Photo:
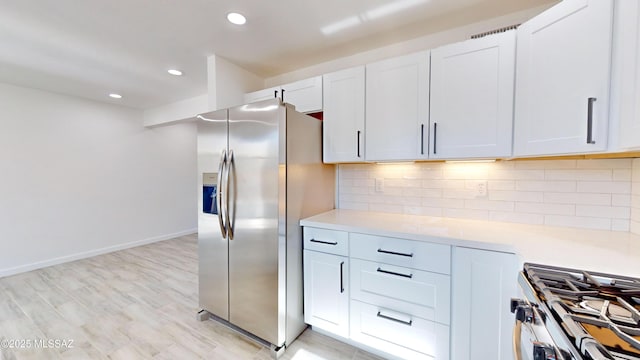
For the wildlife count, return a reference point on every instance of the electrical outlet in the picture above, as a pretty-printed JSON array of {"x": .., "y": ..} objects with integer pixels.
[
  {"x": 481, "y": 188},
  {"x": 379, "y": 185}
]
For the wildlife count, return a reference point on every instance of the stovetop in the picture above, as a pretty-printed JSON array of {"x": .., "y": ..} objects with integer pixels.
[{"x": 598, "y": 313}]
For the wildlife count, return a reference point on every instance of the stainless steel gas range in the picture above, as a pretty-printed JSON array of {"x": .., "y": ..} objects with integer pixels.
[{"x": 569, "y": 314}]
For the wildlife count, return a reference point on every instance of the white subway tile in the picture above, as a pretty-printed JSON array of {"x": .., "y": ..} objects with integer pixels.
[
  {"x": 388, "y": 191},
  {"x": 514, "y": 174},
  {"x": 622, "y": 175},
  {"x": 346, "y": 182},
  {"x": 467, "y": 172},
  {"x": 355, "y": 174},
  {"x": 432, "y": 174},
  {"x": 585, "y": 175},
  {"x": 459, "y": 194},
  {"x": 535, "y": 219},
  {"x": 540, "y": 185},
  {"x": 363, "y": 182},
  {"x": 578, "y": 222},
  {"x": 526, "y": 196},
  {"x": 612, "y": 187},
  {"x": 577, "y": 198},
  {"x": 443, "y": 184},
  {"x": 635, "y": 187},
  {"x": 545, "y": 209},
  {"x": 349, "y": 205},
  {"x": 612, "y": 212},
  {"x": 361, "y": 198},
  {"x": 411, "y": 201},
  {"x": 635, "y": 201},
  {"x": 443, "y": 203},
  {"x": 635, "y": 214},
  {"x": 503, "y": 164},
  {"x": 621, "y": 200},
  {"x": 482, "y": 204},
  {"x": 423, "y": 210},
  {"x": 429, "y": 193},
  {"x": 634, "y": 227},
  {"x": 635, "y": 169},
  {"x": 546, "y": 164},
  {"x": 620, "y": 225},
  {"x": 502, "y": 185},
  {"x": 354, "y": 190},
  {"x": 387, "y": 208},
  {"x": 604, "y": 164},
  {"x": 466, "y": 214}
]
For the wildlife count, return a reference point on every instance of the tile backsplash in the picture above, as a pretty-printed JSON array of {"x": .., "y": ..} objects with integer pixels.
[
  {"x": 593, "y": 194},
  {"x": 635, "y": 197}
]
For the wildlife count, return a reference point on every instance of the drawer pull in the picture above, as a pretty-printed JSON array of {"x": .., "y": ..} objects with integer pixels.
[
  {"x": 394, "y": 253},
  {"x": 341, "y": 277},
  {"x": 380, "y": 315},
  {"x": 394, "y": 273},
  {"x": 324, "y": 242}
]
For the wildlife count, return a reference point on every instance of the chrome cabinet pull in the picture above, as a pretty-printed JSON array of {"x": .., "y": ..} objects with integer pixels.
[
  {"x": 409, "y": 276},
  {"x": 324, "y": 242},
  {"x": 422, "y": 139},
  {"x": 341, "y": 277},
  {"x": 380, "y": 315},
  {"x": 230, "y": 224},
  {"x": 358, "y": 150},
  {"x": 590, "y": 102},
  {"x": 394, "y": 253},
  {"x": 221, "y": 167},
  {"x": 435, "y": 136}
]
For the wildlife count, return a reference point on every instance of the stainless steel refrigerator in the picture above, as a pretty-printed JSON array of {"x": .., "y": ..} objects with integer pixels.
[{"x": 260, "y": 171}]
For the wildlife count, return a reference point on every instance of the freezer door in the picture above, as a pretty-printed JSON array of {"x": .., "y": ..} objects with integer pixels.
[
  {"x": 213, "y": 270},
  {"x": 256, "y": 181}
]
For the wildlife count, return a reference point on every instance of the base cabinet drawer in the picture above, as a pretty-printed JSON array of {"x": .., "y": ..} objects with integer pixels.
[
  {"x": 398, "y": 334},
  {"x": 401, "y": 252},
  {"x": 327, "y": 241},
  {"x": 424, "y": 294}
]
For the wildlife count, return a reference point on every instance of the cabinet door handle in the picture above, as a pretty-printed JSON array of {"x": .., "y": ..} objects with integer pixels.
[
  {"x": 282, "y": 94},
  {"x": 590, "y": 102},
  {"x": 358, "y": 151},
  {"x": 380, "y": 315},
  {"x": 394, "y": 253},
  {"x": 341, "y": 277},
  {"x": 422, "y": 139},
  {"x": 409, "y": 276},
  {"x": 275, "y": 94},
  {"x": 324, "y": 242},
  {"x": 435, "y": 136}
]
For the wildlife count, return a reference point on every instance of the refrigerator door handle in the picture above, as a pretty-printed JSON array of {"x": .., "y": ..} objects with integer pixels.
[
  {"x": 221, "y": 167},
  {"x": 230, "y": 224}
]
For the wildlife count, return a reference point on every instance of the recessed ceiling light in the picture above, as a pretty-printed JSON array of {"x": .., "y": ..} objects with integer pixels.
[
  {"x": 175, "y": 72},
  {"x": 115, "y": 96},
  {"x": 236, "y": 18}
]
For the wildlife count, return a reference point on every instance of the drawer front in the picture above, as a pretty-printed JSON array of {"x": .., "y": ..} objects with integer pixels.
[
  {"x": 400, "y": 252},
  {"x": 397, "y": 333},
  {"x": 328, "y": 241},
  {"x": 424, "y": 294}
]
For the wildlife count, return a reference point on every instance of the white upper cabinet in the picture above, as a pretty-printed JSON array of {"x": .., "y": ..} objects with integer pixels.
[
  {"x": 260, "y": 95},
  {"x": 397, "y": 108},
  {"x": 472, "y": 90},
  {"x": 563, "y": 78},
  {"x": 625, "y": 87},
  {"x": 343, "y": 117},
  {"x": 305, "y": 95}
]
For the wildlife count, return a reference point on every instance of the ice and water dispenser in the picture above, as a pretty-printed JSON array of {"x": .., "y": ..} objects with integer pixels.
[{"x": 209, "y": 187}]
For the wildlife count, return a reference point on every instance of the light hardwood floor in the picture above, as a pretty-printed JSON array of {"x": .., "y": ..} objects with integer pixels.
[{"x": 139, "y": 303}]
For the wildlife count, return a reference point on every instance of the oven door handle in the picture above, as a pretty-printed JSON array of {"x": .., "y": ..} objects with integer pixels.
[{"x": 517, "y": 336}]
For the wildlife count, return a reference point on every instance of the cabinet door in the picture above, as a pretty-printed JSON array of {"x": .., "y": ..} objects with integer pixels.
[
  {"x": 472, "y": 90},
  {"x": 343, "y": 116},
  {"x": 397, "y": 108},
  {"x": 563, "y": 78},
  {"x": 260, "y": 95},
  {"x": 481, "y": 322},
  {"x": 305, "y": 95},
  {"x": 625, "y": 87},
  {"x": 326, "y": 294}
]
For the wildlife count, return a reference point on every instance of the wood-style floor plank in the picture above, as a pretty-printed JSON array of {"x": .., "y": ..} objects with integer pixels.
[{"x": 139, "y": 303}]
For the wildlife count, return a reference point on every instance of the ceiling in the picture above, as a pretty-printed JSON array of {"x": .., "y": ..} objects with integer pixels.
[{"x": 93, "y": 48}]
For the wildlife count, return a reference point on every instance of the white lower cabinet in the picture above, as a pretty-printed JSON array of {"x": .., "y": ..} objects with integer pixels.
[
  {"x": 326, "y": 295},
  {"x": 481, "y": 322},
  {"x": 408, "y": 299}
]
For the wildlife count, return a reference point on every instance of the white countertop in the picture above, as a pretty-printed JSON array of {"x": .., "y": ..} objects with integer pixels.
[{"x": 592, "y": 250}]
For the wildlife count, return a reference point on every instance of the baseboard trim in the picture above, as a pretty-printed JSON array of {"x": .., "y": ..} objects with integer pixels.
[{"x": 87, "y": 254}]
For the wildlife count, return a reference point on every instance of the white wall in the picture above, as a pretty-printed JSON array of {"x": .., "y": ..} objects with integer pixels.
[
  {"x": 594, "y": 194},
  {"x": 80, "y": 178},
  {"x": 176, "y": 112},
  {"x": 228, "y": 83},
  {"x": 421, "y": 43},
  {"x": 635, "y": 198}
]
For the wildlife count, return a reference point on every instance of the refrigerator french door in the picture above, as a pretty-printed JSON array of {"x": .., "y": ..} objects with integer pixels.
[{"x": 267, "y": 162}]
